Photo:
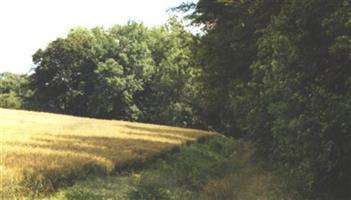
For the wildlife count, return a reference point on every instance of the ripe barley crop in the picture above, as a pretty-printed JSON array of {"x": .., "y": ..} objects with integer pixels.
[{"x": 40, "y": 152}]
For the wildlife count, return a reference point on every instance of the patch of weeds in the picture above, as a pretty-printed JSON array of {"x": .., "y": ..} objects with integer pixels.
[
  {"x": 82, "y": 194},
  {"x": 184, "y": 174}
]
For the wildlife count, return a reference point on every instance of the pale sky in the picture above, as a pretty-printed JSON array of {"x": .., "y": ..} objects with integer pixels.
[{"x": 27, "y": 25}]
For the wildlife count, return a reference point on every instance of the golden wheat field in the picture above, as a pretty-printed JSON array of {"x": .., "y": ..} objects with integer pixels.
[{"x": 41, "y": 152}]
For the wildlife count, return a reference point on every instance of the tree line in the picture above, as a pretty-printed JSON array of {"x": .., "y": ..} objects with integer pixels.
[
  {"x": 128, "y": 72},
  {"x": 274, "y": 72},
  {"x": 279, "y": 73}
]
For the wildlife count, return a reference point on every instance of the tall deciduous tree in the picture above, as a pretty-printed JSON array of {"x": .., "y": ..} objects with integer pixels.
[
  {"x": 64, "y": 73},
  {"x": 167, "y": 95}
]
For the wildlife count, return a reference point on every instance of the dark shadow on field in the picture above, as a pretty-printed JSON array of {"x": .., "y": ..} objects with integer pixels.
[
  {"x": 160, "y": 135},
  {"x": 164, "y": 131}
]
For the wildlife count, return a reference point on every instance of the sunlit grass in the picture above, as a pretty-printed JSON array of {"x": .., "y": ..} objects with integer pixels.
[{"x": 41, "y": 152}]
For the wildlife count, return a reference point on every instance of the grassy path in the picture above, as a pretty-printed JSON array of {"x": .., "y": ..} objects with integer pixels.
[{"x": 218, "y": 168}]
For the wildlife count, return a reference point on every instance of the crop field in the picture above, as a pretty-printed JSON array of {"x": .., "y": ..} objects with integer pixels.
[{"x": 41, "y": 152}]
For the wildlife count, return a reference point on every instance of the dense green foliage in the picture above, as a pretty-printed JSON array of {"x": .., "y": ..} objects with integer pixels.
[
  {"x": 13, "y": 90},
  {"x": 279, "y": 73},
  {"x": 126, "y": 72}
]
